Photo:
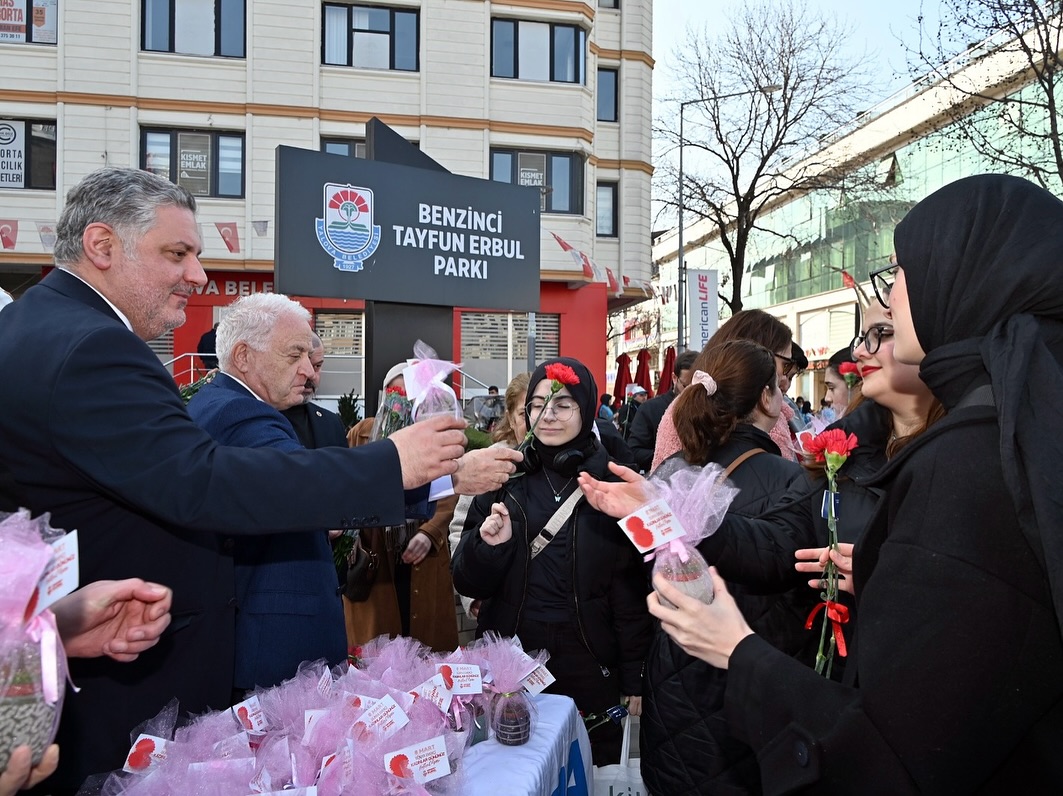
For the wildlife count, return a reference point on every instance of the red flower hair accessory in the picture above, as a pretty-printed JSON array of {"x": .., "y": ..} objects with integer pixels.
[{"x": 562, "y": 373}]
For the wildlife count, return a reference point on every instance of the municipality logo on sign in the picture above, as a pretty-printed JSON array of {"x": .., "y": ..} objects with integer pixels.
[{"x": 347, "y": 231}]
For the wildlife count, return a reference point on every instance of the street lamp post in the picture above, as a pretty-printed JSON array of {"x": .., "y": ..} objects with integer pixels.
[{"x": 681, "y": 323}]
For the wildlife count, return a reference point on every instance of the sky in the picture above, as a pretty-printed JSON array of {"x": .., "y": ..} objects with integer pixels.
[{"x": 878, "y": 29}]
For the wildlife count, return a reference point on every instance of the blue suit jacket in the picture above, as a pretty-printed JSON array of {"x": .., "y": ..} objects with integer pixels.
[
  {"x": 288, "y": 606},
  {"x": 93, "y": 430}
]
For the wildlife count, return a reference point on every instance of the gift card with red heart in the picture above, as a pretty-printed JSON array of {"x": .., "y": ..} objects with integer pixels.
[
  {"x": 461, "y": 678},
  {"x": 538, "y": 681},
  {"x": 383, "y": 719},
  {"x": 359, "y": 701},
  {"x": 652, "y": 526},
  {"x": 61, "y": 575},
  {"x": 421, "y": 762},
  {"x": 249, "y": 715},
  {"x": 435, "y": 690},
  {"x": 147, "y": 751}
]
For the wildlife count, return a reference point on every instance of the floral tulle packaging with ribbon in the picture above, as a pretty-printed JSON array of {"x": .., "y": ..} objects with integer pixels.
[
  {"x": 425, "y": 384},
  {"x": 685, "y": 505},
  {"x": 32, "y": 661},
  {"x": 511, "y": 712}
]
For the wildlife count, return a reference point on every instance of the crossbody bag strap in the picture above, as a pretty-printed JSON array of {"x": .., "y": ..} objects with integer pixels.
[
  {"x": 553, "y": 525},
  {"x": 749, "y": 454}
]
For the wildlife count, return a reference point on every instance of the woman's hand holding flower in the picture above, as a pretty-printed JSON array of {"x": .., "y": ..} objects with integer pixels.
[
  {"x": 708, "y": 632},
  {"x": 497, "y": 529},
  {"x": 814, "y": 559}
]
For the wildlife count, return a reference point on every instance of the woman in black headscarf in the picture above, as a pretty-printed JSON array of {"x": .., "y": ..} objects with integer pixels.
[
  {"x": 581, "y": 593},
  {"x": 959, "y": 657}
]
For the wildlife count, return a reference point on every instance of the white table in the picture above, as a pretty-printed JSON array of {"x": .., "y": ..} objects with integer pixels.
[{"x": 555, "y": 762}]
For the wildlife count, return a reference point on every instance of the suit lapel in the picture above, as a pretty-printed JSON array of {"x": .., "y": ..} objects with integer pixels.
[{"x": 70, "y": 286}]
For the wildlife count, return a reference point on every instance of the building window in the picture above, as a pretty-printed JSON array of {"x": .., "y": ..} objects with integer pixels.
[
  {"x": 494, "y": 345},
  {"x": 608, "y": 95},
  {"x": 35, "y": 25},
  {"x": 606, "y": 223},
  {"x": 608, "y": 3},
  {"x": 205, "y": 163},
  {"x": 195, "y": 27},
  {"x": 348, "y": 147},
  {"x": 370, "y": 37},
  {"x": 538, "y": 51},
  {"x": 558, "y": 176},
  {"x": 27, "y": 154}
]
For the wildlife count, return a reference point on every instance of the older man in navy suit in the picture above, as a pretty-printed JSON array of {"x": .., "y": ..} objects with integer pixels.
[
  {"x": 97, "y": 435},
  {"x": 288, "y": 606}
]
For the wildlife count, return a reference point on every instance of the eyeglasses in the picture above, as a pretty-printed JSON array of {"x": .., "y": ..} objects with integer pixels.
[
  {"x": 882, "y": 281},
  {"x": 561, "y": 408},
  {"x": 791, "y": 369},
  {"x": 871, "y": 339}
]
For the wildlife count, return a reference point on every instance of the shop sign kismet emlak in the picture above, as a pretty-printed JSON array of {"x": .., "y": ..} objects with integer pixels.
[{"x": 353, "y": 228}]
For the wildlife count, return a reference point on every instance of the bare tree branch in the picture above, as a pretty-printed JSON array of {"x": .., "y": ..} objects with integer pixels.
[
  {"x": 1017, "y": 132},
  {"x": 741, "y": 149}
]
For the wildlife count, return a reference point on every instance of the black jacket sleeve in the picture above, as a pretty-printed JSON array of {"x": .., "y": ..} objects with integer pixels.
[
  {"x": 479, "y": 568},
  {"x": 632, "y": 623}
]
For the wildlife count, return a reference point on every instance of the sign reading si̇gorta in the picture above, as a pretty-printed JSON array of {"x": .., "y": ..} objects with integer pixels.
[{"x": 353, "y": 228}]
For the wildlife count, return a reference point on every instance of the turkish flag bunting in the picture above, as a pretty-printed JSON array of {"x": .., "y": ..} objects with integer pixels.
[
  {"x": 8, "y": 232},
  {"x": 230, "y": 234}
]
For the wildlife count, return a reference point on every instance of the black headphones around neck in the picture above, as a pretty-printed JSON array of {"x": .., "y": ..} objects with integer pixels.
[{"x": 566, "y": 463}]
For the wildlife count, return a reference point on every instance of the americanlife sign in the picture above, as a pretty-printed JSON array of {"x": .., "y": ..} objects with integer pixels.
[
  {"x": 353, "y": 228},
  {"x": 703, "y": 311}
]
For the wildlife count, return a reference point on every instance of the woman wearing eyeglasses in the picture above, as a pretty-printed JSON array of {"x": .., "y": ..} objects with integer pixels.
[
  {"x": 767, "y": 330},
  {"x": 958, "y": 576},
  {"x": 579, "y": 591},
  {"x": 758, "y": 553},
  {"x": 723, "y": 418}
]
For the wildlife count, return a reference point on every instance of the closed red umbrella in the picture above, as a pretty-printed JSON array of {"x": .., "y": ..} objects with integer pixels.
[
  {"x": 623, "y": 376},
  {"x": 642, "y": 372},
  {"x": 667, "y": 370}
]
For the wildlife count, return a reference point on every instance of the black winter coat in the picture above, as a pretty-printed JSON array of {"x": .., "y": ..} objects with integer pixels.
[
  {"x": 608, "y": 601},
  {"x": 959, "y": 653},
  {"x": 685, "y": 742},
  {"x": 758, "y": 553},
  {"x": 642, "y": 436}
]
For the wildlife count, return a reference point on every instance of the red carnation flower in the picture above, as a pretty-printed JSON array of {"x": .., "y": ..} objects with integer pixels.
[
  {"x": 834, "y": 441},
  {"x": 849, "y": 372},
  {"x": 562, "y": 373},
  {"x": 396, "y": 389}
]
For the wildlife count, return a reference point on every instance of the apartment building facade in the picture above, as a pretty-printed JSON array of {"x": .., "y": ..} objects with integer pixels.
[{"x": 549, "y": 93}]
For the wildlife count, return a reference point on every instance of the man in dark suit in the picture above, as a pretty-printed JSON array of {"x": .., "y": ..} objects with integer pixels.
[
  {"x": 643, "y": 435},
  {"x": 288, "y": 605},
  {"x": 207, "y": 348},
  {"x": 97, "y": 435},
  {"x": 315, "y": 426}
]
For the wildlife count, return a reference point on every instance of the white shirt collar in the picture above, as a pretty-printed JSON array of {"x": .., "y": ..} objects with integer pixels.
[
  {"x": 242, "y": 384},
  {"x": 118, "y": 312}
]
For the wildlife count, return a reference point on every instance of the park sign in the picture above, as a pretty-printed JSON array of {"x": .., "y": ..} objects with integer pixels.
[{"x": 361, "y": 229}]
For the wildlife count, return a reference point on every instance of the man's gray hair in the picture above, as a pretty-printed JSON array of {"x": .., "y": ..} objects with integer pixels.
[
  {"x": 251, "y": 320},
  {"x": 124, "y": 199}
]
